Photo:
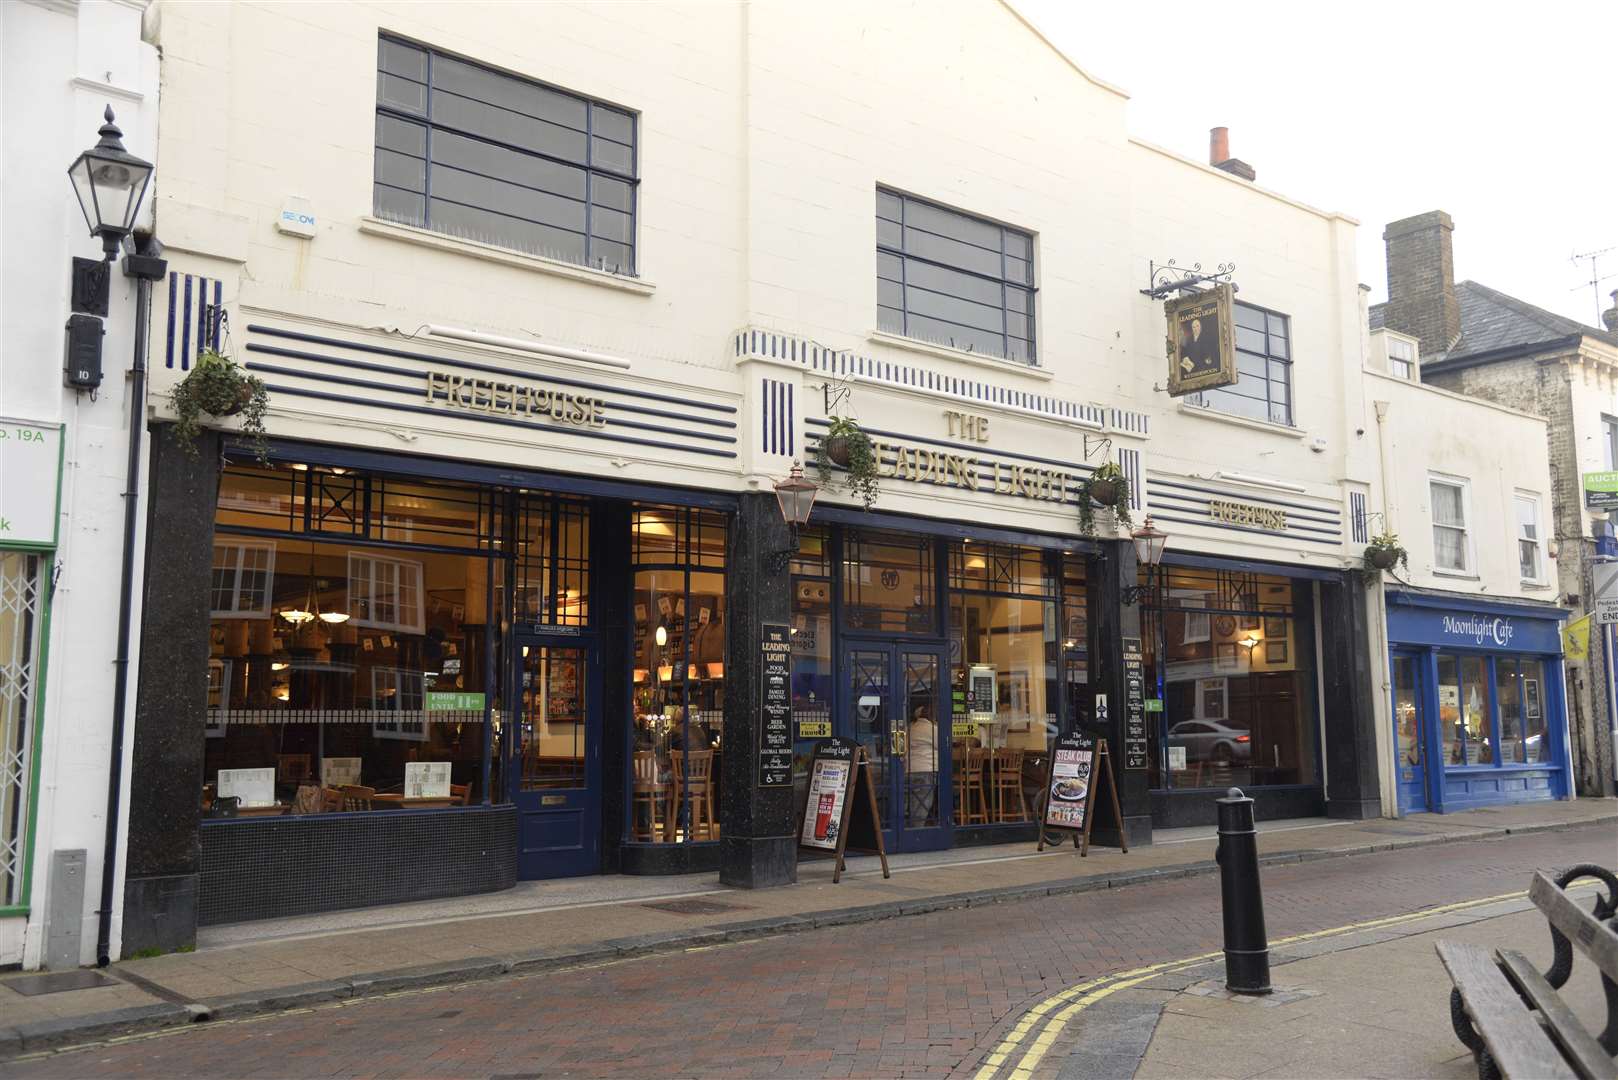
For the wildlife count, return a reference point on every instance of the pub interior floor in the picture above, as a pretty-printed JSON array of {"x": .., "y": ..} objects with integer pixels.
[{"x": 574, "y": 914}]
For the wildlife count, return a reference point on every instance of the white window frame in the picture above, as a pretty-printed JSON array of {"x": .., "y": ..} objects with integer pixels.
[
  {"x": 1537, "y": 540},
  {"x": 1468, "y": 550},
  {"x": 1408, "y": 362},
  {"x": 363, "y": 589},
  {"x": 1609, "y": 442},
  {"x": 409, "y": 697},
  {"x": 239, "y": 547}
]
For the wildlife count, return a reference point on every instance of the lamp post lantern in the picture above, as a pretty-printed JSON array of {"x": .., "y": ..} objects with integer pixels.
[
  {"x": 796, "y": 496},
  {"x": 110, "y": 183},
  {"x": 1149, "y": 543}
]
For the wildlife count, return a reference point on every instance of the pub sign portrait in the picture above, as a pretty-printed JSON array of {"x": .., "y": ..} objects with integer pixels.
[{"x": 1201, "y": 345}]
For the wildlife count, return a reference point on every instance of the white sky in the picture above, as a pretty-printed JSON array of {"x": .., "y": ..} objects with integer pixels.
[{"x": 1504, "y": 115}]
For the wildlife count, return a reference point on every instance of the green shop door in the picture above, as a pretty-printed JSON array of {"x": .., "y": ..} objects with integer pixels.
[{"x": 556, "y": 757}]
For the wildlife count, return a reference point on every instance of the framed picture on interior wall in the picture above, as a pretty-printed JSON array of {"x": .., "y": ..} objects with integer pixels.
[
  {"x": 1225, "y": 656},
  {"x": 1275, "y": 651},
  {"x": 1275, "y": 626},
  {"x": 1249, "y": 621}
]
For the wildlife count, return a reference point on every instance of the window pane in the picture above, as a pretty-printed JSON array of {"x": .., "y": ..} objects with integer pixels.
[
  {"x": 513, "y": 128},
  {"x": 506, "y": 198},
  {"x": 1447, "y": 504},
  {"x": 939, "y": 306},
  {"x": 1475, "y": 712},
  {"x": 1449, "y": 708},
  {"x": 613, "y": 257},
  {"x": 611, "y": 225},
  {"x": 22, "y": 599},
  {"x": 947, "y": 223},
  {"x": 613, "y": 194},
  {"x": 606, "y": 154},
  {"x": 888, "y": 583},
  {"x": 499, "y": 229},
  {"x": 405, "y": 207},
  {"x": 888, "y": 206},
  {"x": 401, "y": 135},
  {"x": 402, "y": 59},
  {"x": 954, "y": 335},
  {"x": 890, "y": 319},
  {"x": 1250, "y": 317},
  {"x": 951, "y": 252},
  {"x": 400, "y": 93},
  {"x": 612, "y": 124},
  {"x": 509, "y": 93},
  {"x": 952, "y": 283},
  {"x": 1506, "y": 688},
  {"x": 889, "y": 233},
  {"x": 1536, "y": 740},
  {"x": 473, "y": 155},
  {"x": 400, "y": 171}
]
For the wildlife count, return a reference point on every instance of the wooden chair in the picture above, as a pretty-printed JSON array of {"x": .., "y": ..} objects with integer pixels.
[
  {"x": 461, "y": 794},
  {"x": 356, "y": 797},
  {"x": 207, "y": 796},
  {"x": 649, "y": 791},
  {"x": 331, "y": 800},
  {"x": 1007, "y": 770},
  {"x": 971, "y": 798},
  {"x": 693, "y": 772}
]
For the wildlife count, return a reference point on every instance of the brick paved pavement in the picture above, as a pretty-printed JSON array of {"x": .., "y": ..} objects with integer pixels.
[{"x": 919, "y": 996}]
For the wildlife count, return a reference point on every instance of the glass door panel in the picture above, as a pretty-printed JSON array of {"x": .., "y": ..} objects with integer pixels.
[
  {"x": 921, "y": 739},
  {"x": 1408, "y": 735},
  {"x": 869, "y": 708}
]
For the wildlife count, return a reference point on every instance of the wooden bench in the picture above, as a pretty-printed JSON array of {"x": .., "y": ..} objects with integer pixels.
[{"x": 1510, "y": 1016}]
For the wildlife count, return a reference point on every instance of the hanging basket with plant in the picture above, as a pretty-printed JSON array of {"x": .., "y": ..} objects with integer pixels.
[
  {"x": 844, "y": 445},
  {"x": 1107, "y": 486},
  {"x": 217, "y": 387},
  {"x": 1384, "y": 552}
]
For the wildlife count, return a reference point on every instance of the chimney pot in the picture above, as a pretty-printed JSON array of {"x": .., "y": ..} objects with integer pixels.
[{"x": 1218, "y": 145}]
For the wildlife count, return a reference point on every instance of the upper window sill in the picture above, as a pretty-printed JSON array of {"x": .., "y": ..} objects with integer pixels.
[
  {"x": 411, "y": 234},
  {"x": 1241, "y": 421},
  {"x": 1464, "y": 575},
  {"x": 899, "y": 341}
]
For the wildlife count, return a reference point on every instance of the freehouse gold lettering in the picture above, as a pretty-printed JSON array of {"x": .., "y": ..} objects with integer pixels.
[
  {"x": 514, "y": 399},
  {"x": 1261, "y": 517}
]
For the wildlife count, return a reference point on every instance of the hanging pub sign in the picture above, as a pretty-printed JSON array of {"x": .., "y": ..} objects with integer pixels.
[
  {"x": 775, "y": 733},
  {"x": 840, "y": 814},
  {"x": 1080, "y": 764},
  {"x": 1201, "y": 341}
]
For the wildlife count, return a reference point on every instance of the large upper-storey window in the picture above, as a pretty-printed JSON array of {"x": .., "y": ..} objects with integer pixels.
[
  {"x": 951, "y": 279},
  {"x": 1263, "y": 390},
  {"x": 475, "y": 153}
]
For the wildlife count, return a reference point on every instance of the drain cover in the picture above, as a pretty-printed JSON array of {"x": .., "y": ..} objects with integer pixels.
[
  {"x": 58, "y": 981},
  {"x": 694, "y": 907}
]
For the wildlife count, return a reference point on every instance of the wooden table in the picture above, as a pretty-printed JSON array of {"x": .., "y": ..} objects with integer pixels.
[{"x": 391, "y": 802}]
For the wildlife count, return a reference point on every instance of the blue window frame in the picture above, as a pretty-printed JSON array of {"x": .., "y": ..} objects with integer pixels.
[
  {"x": 1263, "y": 390},
  {"x": 952, "y": 279},
  {"x": 472, "y": 152}
]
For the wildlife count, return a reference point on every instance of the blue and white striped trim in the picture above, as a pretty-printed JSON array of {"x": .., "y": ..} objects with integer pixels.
[
  {"x": 191, "y": 328},
  {"x": 1129, "y": 462},
  {"x": 778, "y": 423},
  {"x": 769, "y": 343},
  {"x": 1359, "y": 528}
]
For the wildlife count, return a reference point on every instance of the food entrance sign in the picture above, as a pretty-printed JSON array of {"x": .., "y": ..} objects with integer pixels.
[
  {"x": 1069, "y": 788},
  {"x": 254, "y": 787},
  {"x": 426, "y": 780},
  {"x": 828, "y": 791}
]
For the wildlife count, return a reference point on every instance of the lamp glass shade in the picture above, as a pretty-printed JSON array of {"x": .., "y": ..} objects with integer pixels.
[
  {"x": 1149, "y": 543},
  {"x": 336, "y": 618},
  {"x": 110, "y": 183},
  {"x": 661, "y": 636},
  {"x": 796, "y": 496}
]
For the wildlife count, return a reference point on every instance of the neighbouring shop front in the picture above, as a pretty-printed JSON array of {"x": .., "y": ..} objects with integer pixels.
[{"x": 1479, "y": 712}]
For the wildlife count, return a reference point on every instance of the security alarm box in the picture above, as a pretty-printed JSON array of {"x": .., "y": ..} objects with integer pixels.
[{"x": 82, "y": 368}]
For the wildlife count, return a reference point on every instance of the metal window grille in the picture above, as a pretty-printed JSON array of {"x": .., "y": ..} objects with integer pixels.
[
  {"x": 953, "y": 279},
  {"x": 473, "y": 152},
  {"x": 21, "y": 603}
]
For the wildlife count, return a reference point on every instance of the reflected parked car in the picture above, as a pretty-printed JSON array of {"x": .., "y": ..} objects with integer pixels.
[{"x": 1209, "y": 740}]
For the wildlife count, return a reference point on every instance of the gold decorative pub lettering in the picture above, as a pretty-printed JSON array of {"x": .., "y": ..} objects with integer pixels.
[{"x": 514, "y": 399}]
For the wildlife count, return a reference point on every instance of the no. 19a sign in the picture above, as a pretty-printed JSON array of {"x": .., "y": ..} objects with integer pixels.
[{"x": 30, "y": 471}]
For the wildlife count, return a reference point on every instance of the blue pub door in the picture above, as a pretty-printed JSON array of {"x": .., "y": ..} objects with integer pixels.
[{"x": 557, "y": 757}]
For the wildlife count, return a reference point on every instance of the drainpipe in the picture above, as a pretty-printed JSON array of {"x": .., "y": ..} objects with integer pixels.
[
  {"x": 1388, "y": 766},
  {"x": 145, "y": 265}
]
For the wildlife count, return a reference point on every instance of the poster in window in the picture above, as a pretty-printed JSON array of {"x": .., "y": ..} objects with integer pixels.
[
  {"x": 1530, "y": 696},
  {"x": 254, "y": 787},
  {"x": 1201, "y": 345},
  {"x": 426, "y": 780},
  {"x": 337, "y": 771}
]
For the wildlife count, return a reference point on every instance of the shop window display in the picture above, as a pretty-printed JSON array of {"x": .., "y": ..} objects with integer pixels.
[
  {"x": 1229, "y": 656},
  {"x": 678, "y": 674},
  {"x": 811, "y": 652}
]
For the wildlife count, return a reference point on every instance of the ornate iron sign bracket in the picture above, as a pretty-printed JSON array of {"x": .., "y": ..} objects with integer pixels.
[{"x": 1171, "y": 278}]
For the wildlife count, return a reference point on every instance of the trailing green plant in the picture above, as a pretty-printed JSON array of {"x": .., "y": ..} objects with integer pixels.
[
  {"x": 1106, "y": 486},
  {"x": 1385, "y": 551},
  {"x": 218, "y": 387},
  {"x": 844, "y": 444}
]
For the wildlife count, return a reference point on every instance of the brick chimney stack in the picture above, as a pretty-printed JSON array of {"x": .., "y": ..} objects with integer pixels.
[
  {"x": 1219, "y": 155},
  {"x": 1610, "y": 316},
  {"x": 1421, "y": 281}
]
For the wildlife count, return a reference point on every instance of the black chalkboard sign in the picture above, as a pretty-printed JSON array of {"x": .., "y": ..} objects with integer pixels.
[
  {"x": 775, "y": 726},
  {"x": 840, "y": 813},
  {"x": 1079, "y": 765},
  {"x": 1135, "y": 749}
]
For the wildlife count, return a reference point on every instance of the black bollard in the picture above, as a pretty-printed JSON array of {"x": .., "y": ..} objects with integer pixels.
[{"x": 1247, "y": 950}]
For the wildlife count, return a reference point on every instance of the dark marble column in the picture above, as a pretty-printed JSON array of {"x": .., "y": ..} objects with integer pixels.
[
  {"x": 1353, "y": 788},
  {"x": 611, "y": 600},
  {"x": 165, "y": 782},
  {"x": 758, "y": 846},
  {"x": 1110, "y": 622}
]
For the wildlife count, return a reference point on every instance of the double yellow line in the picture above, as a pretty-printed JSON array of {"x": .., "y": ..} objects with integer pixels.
[{"x": 1052, "y": 1015}]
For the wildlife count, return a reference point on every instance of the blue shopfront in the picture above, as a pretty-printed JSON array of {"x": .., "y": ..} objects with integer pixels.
[{"x": 1479, "y": 715}]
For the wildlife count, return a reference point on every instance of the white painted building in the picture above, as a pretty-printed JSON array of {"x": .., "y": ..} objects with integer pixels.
[
  {"x": 587, "y": 281},
  {"x": 61, "y": 65}
]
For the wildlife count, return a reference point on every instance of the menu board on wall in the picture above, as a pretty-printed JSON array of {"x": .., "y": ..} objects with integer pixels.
[
  {"x": 980, "y": 693},
  {"x": 254, "y": 787},
  {"x": 775, "y": 729},
  {"x": 426, "y": 780},
  {"x": 1135, "y": 752}
]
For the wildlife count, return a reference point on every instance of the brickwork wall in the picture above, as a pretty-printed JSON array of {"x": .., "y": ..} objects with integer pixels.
[{"x": 1421, "y": 281}]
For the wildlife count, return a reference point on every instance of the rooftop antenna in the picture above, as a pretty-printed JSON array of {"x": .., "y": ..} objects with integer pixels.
[{"x": 1596, "y": 277}]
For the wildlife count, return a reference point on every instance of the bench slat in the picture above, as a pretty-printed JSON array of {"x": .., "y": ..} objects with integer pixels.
[
  {"x": 1514, "y": 1038},
  {"x": 1588, "y": 1057},
  {"x": 1582, "y": 928}
]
